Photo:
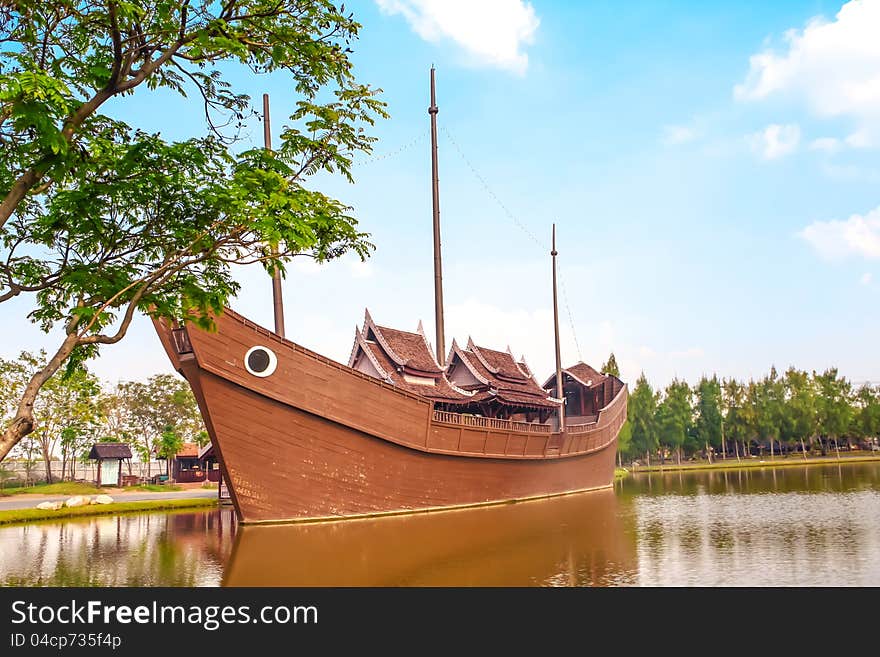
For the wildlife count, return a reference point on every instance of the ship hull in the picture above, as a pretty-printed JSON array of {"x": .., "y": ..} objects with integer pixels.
[{"x": 319, "y": 441}]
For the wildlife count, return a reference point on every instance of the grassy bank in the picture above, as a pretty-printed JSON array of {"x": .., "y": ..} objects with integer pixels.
[
  {"x": 61, "y": 488},
  {"x": 756, "y": 462},
  {"x": 78, "y": 488},
  {"x": 29, "y": 515}
]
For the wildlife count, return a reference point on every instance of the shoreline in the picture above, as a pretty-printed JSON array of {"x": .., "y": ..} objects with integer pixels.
[
  {"x": 22, "y": 516},
  {"x": 753, "y": 462}
]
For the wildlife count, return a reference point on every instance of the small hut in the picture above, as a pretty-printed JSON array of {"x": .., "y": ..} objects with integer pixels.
[
  {"x": 208, "y": 461},
  {"x": 186, "y": 466},
  {"x": 110, "y": 457}
]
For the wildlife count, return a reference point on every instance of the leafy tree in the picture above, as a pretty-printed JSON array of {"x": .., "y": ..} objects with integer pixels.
[
  {"x": 170, "y": 443},
  {"x": 65, "y": 412},
  {"x": 100, "y": 220},
  {"x": 641, "y": 410},
  {"x": 833, "y": 405},
  {"x": 707, "y": 413},
  {"x": 145, "y": 410},
  {"x": 866, "y": 416},
  {"x": 674, "y": 416},
  {"x": 766, "y": 399},
  {"x": 735, "y": 422},
  {"x": 799, "y": 412},
  {"x": 624, "y": 443},
  {"x": 610, "y": 367}
]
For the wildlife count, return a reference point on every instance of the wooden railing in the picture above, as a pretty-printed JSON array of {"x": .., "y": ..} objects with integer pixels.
[
  {"x": 490, "y": 422},
  {"x": 580, "y": 428}
]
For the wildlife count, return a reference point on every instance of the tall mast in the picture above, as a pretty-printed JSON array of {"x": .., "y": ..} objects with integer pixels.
[
  {"x": 277, "y": 302},
  {"x": 438, "y": 273},
  {"x": 560, "y": 420}
]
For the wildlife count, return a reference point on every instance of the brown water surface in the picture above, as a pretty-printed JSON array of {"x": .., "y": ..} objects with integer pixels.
[{"x": 792, "y": 526}]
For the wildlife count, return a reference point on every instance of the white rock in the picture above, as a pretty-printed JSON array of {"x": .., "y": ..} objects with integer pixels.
[
  {"x": 50, "y": 506},
  {"x": 78, "y": 500},
  {"x": 102, "y": 499}
]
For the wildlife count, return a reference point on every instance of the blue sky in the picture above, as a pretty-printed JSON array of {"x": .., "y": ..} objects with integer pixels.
[{"x": 712, "y": 169}]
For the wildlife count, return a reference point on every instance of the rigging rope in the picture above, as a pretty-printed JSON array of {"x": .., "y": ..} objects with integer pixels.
[
  {"x": 577, "y": 345},
  {"x": 389, "y": 154},
  {"x": 519, "y": 225},
  {"x": 509, "y": 214}
]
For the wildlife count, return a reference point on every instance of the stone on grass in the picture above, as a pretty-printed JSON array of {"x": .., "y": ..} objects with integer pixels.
[
  {"x": 77, "y": 500},
  {"x": 50, "y": 506},
  {"x": 102, "y": 499}
]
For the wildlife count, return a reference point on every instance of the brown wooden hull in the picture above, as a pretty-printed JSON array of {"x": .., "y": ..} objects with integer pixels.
[{"x": 318, "y": 440}]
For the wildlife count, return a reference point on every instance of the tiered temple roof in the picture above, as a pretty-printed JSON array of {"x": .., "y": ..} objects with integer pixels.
[
  {"x": 402, "y": 359},
  {"x": 497, "y": 375},
  {"x": 476, "y": 379}
]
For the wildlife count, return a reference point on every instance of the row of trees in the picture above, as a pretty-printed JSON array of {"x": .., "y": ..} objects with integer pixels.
[
  {"x": 74, "y": 411},
  {"x": 795, "y": 411}
]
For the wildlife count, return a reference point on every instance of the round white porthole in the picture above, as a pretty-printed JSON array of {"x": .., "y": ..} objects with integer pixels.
[{"x": 260, "y": 361}]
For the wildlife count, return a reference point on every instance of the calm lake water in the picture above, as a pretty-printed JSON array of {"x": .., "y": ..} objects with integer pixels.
[{"x": 792, "y": 526}]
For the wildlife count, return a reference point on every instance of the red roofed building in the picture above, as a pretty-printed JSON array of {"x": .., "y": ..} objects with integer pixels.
[
  {"x": 503, "y": 387},
  {"x": 405, "y": 360},
  {"x": 476, "y": 380},
  {"x": 586, "y": 392}
]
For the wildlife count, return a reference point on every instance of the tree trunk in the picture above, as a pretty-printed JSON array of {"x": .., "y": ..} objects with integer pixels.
[
  {"x": 803, "y": 448},
  {"x": 836, "y": 447},
  {"x": 736, "y": 448},
  {"x": 23, "y": 423},
  {"x": 678, "y": 454},
  {"x": 771, "y": 447},
  {"x": 708, "y": 453},
  {"x": 63, "y": 463},
  {"x": 648, "y": 457},
  {"x": 47, "y": 459}
]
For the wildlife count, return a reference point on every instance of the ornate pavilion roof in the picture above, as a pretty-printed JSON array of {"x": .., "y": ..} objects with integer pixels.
[
  {"x": 580, "y": 372},
  {"x": 499, "y": 375},
  {"x": 405, "y": 360}
]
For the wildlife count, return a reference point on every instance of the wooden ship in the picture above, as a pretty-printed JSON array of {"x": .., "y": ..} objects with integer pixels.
[{"x": 400, "y": 428}]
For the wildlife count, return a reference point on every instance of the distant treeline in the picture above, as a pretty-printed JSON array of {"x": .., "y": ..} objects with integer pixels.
[{"x": 797, "y": 411}]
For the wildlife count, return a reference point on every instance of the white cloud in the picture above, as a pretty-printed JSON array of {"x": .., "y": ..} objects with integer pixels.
[
  {"x": 776, "y": 140},
  {"x": 492, "y": 32},
  {"x": 833, "y": 65},
  {"x": 825, "y": 144},
  {"x": 858, "y": 235},
  {"x": 866, "y": 278},
  {"x": 678, "y": 134}
]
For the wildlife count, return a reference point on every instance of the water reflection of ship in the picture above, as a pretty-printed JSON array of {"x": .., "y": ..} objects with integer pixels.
[{"x": 575, "y": 540}]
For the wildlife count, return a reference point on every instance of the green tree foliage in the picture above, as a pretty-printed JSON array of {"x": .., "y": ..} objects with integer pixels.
[
  {"x": 707, "y": 412},
  {"x": 169, "y": 444},
  {"x": 99, "y": 220},
  {"x": 833, "y": 406},
  {"x": 641, "y": 416},
  {"x": 785, "y": 412},
  {"x": 799, "y": 411},
  {"x": 736, "y": 418},
  {"x": 140, "y": 411},
  {"x": 65, "y": 415},
  {"x": 766, "y": 398},
  {"x": 674, "y": 417},
  {"x": 866, "y": 414},
  {"x": 610, "y": 367}
]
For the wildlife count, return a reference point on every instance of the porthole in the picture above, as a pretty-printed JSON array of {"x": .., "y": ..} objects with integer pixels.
[{"x": 260, "y": 361}]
